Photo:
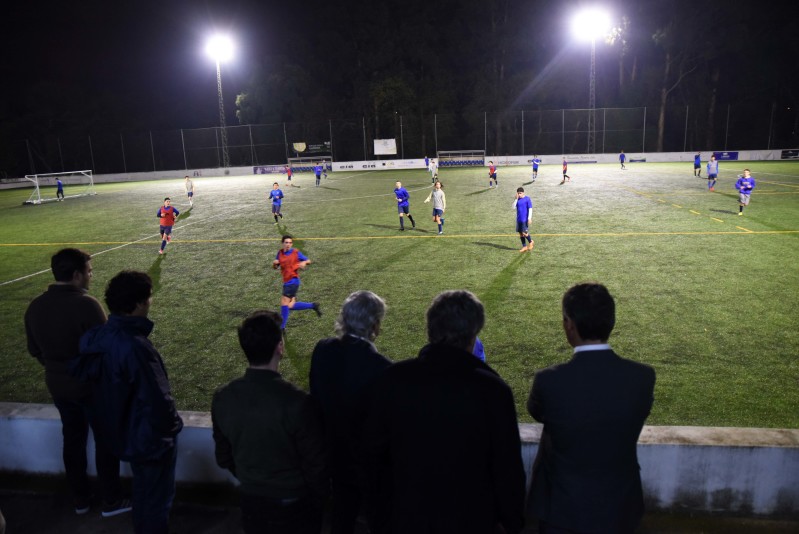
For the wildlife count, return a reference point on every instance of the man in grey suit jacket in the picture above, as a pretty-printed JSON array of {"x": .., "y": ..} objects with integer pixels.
[{"x": 586, "y": 476}]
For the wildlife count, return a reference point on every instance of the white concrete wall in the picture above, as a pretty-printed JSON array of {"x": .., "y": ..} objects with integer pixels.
[{"x": 732, "y": 470}]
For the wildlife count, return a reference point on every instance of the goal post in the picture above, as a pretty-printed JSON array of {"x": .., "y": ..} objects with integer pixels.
[
  {"x": 306, "y": 164},
  {"x": 74, "y": 184},
  {"x": 461, "y": 158}
]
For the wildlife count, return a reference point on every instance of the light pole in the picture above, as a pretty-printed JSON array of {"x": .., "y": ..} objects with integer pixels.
[
  {"x": 588, "y": 25},
  {"x": 220, "y": 49}
]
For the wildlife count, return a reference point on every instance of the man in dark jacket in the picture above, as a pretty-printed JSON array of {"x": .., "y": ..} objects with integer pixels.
[
  {"x": 441, "y": 442},
  {"x": 268, "y": 433},
  {"x": 54, "y": 323},
  {"x": 342, "y": 370},
  {"x": 131, "y": 398},
  {"x": 586, "y": 476}
]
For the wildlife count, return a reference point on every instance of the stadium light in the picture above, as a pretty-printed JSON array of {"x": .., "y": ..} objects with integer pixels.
[
  {"x": 220, "y": 49},
  {"x": 588, "y": 25}
]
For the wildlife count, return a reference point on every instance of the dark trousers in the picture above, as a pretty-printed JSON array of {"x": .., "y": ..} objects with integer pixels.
[
  {"x": 346, "y": 505},
  {"x": 260, "y": 515},
  {"x": 153, "y": 492},
  {"x": 75, "y": 429}
]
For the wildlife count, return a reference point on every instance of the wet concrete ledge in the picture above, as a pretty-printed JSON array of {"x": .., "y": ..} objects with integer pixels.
[{"x": 742, "y": 471}]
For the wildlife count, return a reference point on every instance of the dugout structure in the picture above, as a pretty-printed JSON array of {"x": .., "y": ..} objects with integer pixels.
[
  {"x": 461, "y": 158},
  {"x": 306, "y": 164},
  {"x": 76, "y": 184}
]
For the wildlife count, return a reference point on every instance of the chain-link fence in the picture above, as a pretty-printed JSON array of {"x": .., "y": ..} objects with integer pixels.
[{"x": 565, "y": 131}]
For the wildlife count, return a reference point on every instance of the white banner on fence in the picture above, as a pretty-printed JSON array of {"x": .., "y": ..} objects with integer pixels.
[
  {"x": 379, "y": 165},
  {"x": 385, "y": 147}
]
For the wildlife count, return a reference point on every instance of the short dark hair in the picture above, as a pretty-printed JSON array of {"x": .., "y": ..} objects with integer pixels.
[
  {"x": 167, "y": 198},
  {"x": 66, "y": 262},
  {"x": 520, "y": 189},
  {"x": 259, "y": 335},
  {"x": 126, "y": 290},
  {"x": 455, "y": 318},
  {"x": 592, "y": 309},
  {"x": 286, "y": 237}
]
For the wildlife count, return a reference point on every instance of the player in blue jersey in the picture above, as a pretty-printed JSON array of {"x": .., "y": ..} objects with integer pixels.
[
  {"x": 276, "y": 196},
  {"x": 403, "y": 205},
  {"x": 536, "y": 162},
  {"x": 290, "y": 260},
  {"x": 622, "y": 159},
  {"x": 318, "y": 172},
  {"x": 59, "y": 189},
  {"x": 524, "y": 218},
  {"x": 744, "y": 185},
  {"x": 712, "y": 173},
  {"x": 698, "y": 165}
]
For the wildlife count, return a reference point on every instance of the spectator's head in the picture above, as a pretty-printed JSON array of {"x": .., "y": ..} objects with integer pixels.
[
  {"x": 72, "y": 266},
  {"x": 589, "y": 313},
  {"x": 260, "y": 338},
  {"x": 361, "y": 315},
  {"x": 129, "y": 293},
  {"x": 455, "y": 318}
]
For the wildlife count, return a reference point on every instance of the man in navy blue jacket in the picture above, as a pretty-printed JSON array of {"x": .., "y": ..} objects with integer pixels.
[
  {"x": 131, "y": 400},
  {"x": 586, "y": 476}
]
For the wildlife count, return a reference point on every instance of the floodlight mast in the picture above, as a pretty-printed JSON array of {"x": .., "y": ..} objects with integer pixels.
[
  {"x": 220, "y": 49},
  {"x": 590, "y": 24}
]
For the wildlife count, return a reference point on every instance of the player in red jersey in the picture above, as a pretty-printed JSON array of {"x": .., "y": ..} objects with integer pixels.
[
  {"x": 168, "y": 215},
  {"x": 492, "y": 175},
  {"x": 290, "y": 260}
]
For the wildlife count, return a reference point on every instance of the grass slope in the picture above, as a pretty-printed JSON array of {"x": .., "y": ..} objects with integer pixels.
[{"x": 707, "y": 297}]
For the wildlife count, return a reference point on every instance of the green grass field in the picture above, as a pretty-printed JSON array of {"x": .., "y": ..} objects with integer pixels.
[{"x": 707, "y": 297}]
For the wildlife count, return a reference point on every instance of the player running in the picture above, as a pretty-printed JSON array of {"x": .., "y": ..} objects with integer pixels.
[
  {"x": 59, "y": 189},
  {"x": 318, "y": 172},
  {"x": 276, "y": 196},
  {"x": 536, "y": 162},
  {"x": 189, "y": 185},
  {"x": 622, "y": 159},
  {"x": 290, "y": 260},
  {"x": 289, "y": 172},
  {"x": 744, "y": 185},
  {"x": 566, "y": 177},
  {"x": 698, "y": 165},
  {"x": 433, "y": 168},
  {"x": 524, "y": 219},
  {"x": 439, "y": 205},
  {"x": 403, "y": 205},
  {"x": 492, "y": 175},
  {"x": 712, "y": 173},
  {"x": 168, "y": 215}
]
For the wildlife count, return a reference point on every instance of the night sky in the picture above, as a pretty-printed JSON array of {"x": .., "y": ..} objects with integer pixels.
[{"x": 142, "y": 64}]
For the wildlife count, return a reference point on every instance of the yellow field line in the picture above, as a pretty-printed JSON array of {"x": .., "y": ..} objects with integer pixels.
[
  {"x": 717, "y": 220},
  {"x": 695, "y": 212},
  {"x": 435, "y": 236},
  {"x": 677, "y": 206}
]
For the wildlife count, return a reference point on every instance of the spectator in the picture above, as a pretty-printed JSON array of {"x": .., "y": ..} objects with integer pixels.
[
  {"x": 54, "y": 323},
  {"x": 586, "y": 476},
  {"x": 342, "y": 368},
  {"x": 132, "y": 400},
  {"x": 441, "y": 442},
  {"x": 269, "y": 434}
]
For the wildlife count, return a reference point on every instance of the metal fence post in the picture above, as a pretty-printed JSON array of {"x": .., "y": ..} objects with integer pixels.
[
  {"x": 330, "y": 126},
  {"x": 643, "y": 141},
  {"x": 402, "y": 141},
  {"x": 522, "y": 132},
  {"x": 363, "y": 125},
  {"x": 771, "y": 125},
  {"x": 485, "y": 132},
  {"x": 124, "y": 161},
  {"x": 252, "y": 146},
  {"x": 563, "y": 131},
  {"x": 183, "y": 144},
  {"x": 435, "y": 131},
  {"x": 727, "y": 132},
  {"x": 286, "y": 141},
  {"x": 685, "y": 135}
]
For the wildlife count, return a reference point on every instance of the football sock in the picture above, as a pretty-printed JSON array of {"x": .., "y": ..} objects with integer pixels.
[
  {"x": 303, "y": 305},
  {"x": 523, "y": 241},
  {"x": 740, "y": 209},
  {"x": 412, "y": 222},
  {"x": 529, "y": 239},
  {"x": 163, "y": 244},
  {"x": 284, "y": 313},
  {"x": 402, "y": 223},
  {"x": 275, "y": 216},
  {"x": 713, "y": 184},
  {"x": 440, "y": 227}
]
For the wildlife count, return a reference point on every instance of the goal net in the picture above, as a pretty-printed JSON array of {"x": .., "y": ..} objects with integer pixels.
[
  {"x": 461, "y": 158},
  {"x": 73, "y": 184},
  {"x": 306, "y": 164}
]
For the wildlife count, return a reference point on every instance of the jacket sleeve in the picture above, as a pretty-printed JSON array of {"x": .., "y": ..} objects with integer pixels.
[
  {"x": 535, "y": 402},
  {"x": 310, "y": 442},
  {"x": 33, "y": 347},
  {"x": 508, "y": 469},
  {"x": 223, "y": 449}
]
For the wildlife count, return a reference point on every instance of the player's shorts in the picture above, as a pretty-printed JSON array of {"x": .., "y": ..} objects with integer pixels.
[
  {"x": 521, "y": 227},
  {"x": 535, "y": 169},
  {"x": 275, "y": 208},
  {"x": 290, "y": 288},
  {"x": 697, "y": 165},
  {"x": 564, "y": 172},
  {"x": 288, "y": 177},
  {"x": 403, "y": 209},
  {"x": 493, "y": 176},
  {"x": 190, "y": 194},
  {"x": 438, "y": 213},
  {"x": 743, "y": 198},
  {"x": 167, "y": 230},
  {"x": 712, "y": 176}
]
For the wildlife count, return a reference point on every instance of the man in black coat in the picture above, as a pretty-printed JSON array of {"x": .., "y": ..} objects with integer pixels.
[
  {"x": 586, "y": 476},
  {"x": 441, "y": 442},
  {"x": 342, "y": 370}
]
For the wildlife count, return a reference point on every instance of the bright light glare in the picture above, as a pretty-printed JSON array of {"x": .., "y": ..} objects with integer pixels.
[
  {"x": 219, "y": 48},
  {"x": 591, "y": 24}
]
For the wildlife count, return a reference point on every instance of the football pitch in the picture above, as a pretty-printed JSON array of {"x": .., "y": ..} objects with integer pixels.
[{"x": 710, "y": 299}]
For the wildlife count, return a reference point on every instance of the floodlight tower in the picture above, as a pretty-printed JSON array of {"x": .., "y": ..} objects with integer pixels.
[
  {"x": 590, "y": 24},
  {"x": 220, "y": 49}
]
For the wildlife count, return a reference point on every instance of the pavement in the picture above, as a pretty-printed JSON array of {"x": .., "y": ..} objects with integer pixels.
[{"x": 43, "y": 506}]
